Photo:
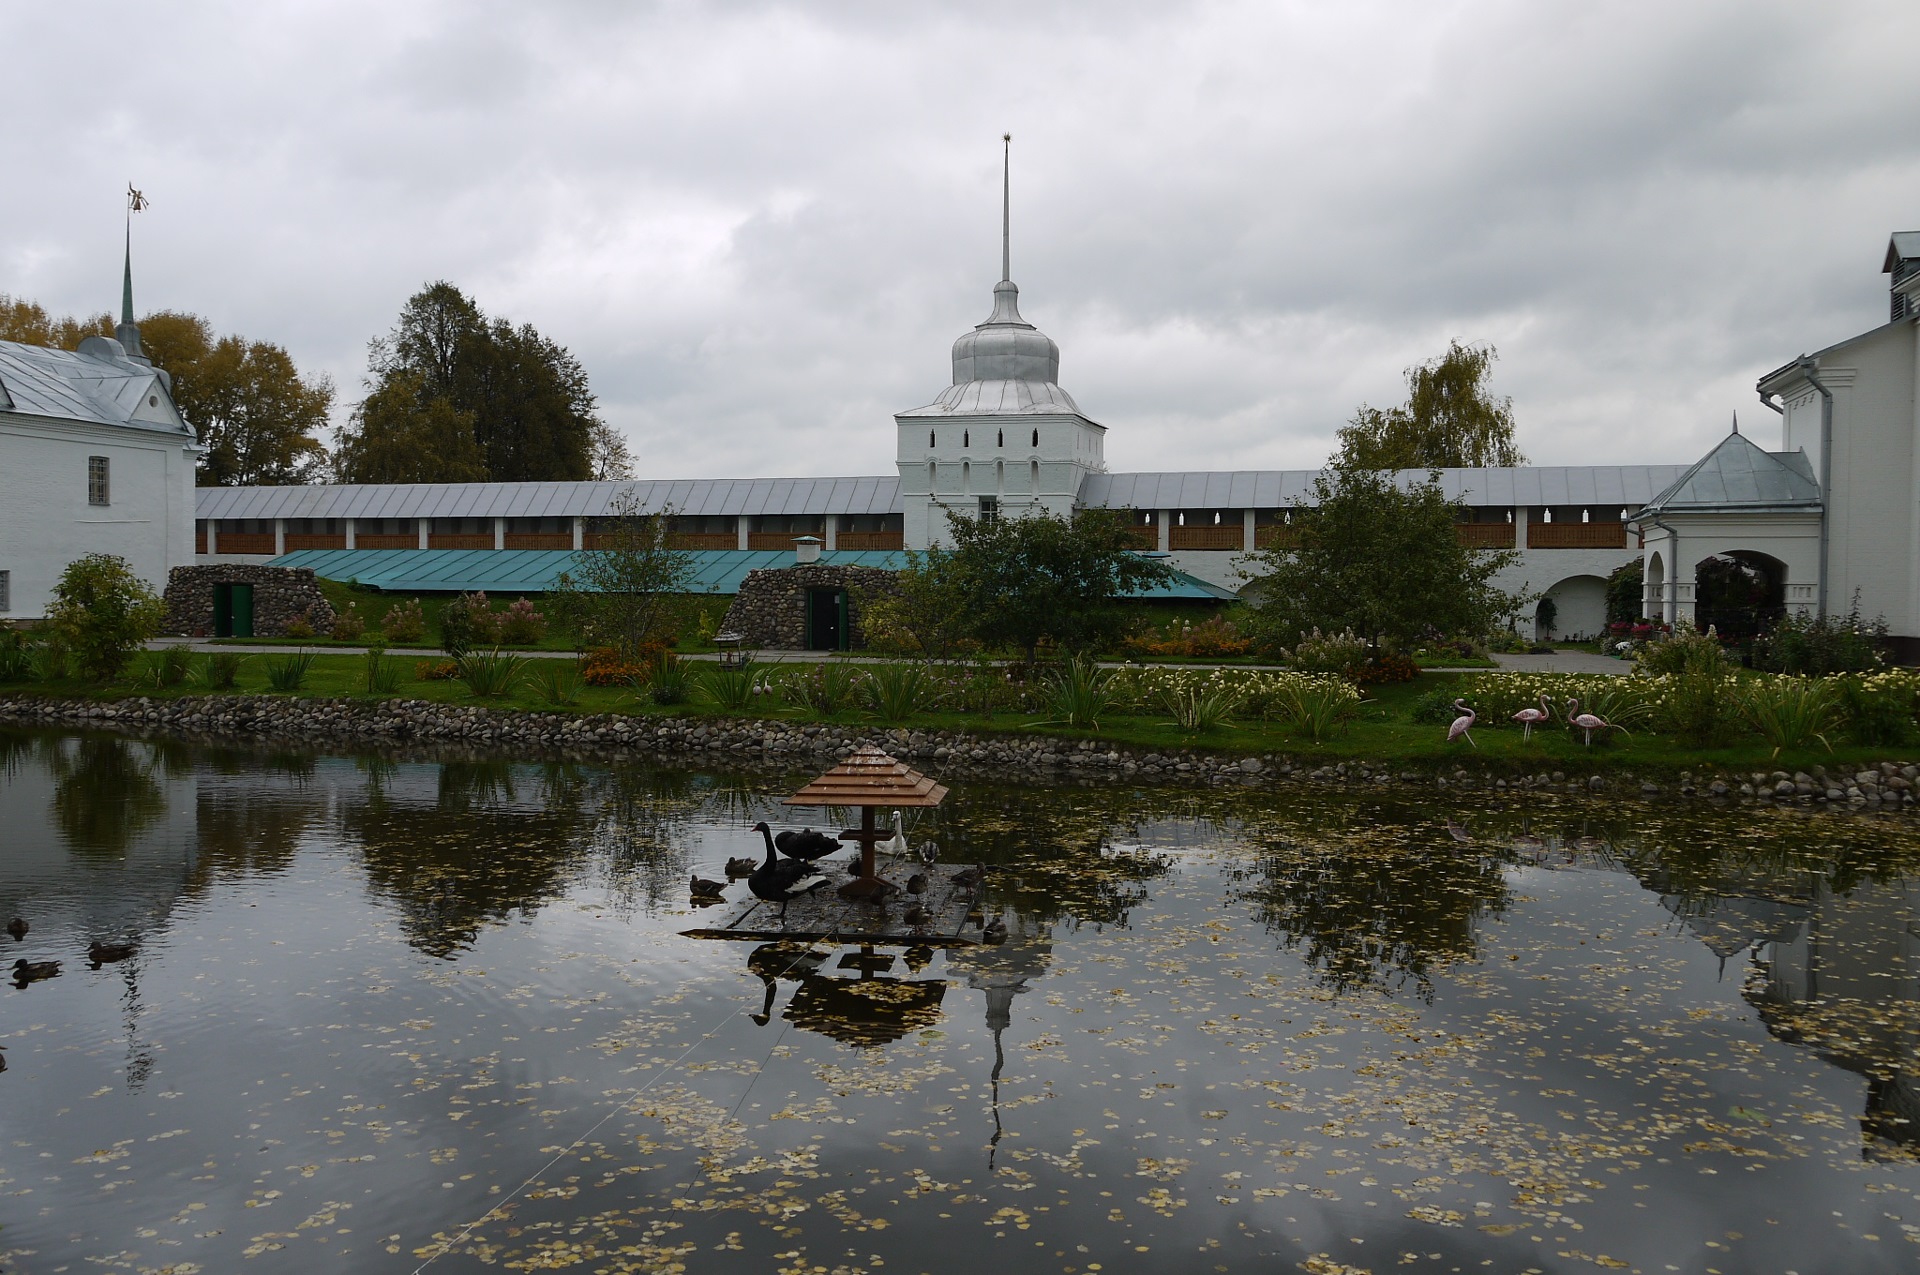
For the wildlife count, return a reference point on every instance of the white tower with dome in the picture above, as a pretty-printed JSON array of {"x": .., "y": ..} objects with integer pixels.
[{"x": 1004, "y": 439}]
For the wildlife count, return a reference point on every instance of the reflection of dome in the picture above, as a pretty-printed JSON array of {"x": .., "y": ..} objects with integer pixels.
[
  {"x": 1004, "y": 365},
  {"x": 865, "y": 1011}
]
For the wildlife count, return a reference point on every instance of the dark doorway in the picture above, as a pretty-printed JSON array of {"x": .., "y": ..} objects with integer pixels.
[
  {"x": 826, "y": 619},
  {"x": 1740, "y": 595},
  {"x": 233, "y": 610}
]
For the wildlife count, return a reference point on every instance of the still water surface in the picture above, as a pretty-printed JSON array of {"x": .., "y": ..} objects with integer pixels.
[{"x": 375, "y": 998}]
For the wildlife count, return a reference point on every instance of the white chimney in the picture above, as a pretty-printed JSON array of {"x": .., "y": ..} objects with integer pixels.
[{"x": 806, "y": 549}]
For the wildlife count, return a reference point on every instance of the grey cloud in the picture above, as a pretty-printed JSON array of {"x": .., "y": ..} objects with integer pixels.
[{"x": 761, "y": 226}]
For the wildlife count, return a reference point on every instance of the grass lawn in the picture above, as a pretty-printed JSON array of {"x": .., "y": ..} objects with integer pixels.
[{"x": 1383, "y": 731}]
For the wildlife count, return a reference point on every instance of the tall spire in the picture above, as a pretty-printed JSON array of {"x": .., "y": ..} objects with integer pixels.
[
  {"x": 1006, "y": 207},
  {"x": 128, "y": 331}
]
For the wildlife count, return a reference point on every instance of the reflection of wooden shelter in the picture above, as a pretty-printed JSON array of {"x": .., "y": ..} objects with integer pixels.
[
  {"x": 866, "y": 1011},
  {"x": 869, "y": 779}
]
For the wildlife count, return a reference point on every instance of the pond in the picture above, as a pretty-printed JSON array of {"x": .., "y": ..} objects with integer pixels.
[{"x": 403, "y": 1012}]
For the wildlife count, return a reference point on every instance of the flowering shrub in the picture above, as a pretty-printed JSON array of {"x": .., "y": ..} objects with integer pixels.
[
  {"x": 1217, "y": 638},
  {"x": 1388, "y": 668},
  {"x": 1341, "y": 653},
  {"x": 300, "y": 626},
  {"x": 604, "y": 666},
  {"x": 521, "y": 625},
  {"x": 404, "y": 622},
  {"x": 436, "y": 670},
  {"x": 1498, "y": 696},
  {"x": 349, "y": 625},
  {"x": 1257, "y": 693}
]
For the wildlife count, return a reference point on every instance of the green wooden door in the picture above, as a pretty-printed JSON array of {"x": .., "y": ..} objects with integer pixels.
[{"x": 242, "y": 610}]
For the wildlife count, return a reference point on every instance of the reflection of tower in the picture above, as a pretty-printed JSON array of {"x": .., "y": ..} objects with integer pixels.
[{"x": 1002, "y": 972}]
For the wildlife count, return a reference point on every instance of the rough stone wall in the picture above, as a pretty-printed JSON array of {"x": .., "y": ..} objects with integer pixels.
[
  {"x": 771, "y": 607},
  {"x": 279, "y": 594}
]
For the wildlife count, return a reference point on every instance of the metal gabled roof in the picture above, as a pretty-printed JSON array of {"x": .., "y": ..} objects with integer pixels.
[
  {"x": 690, "y": 497},
  {"x": 1904, "y": 245},
  {"x": 1625, "y": 485},
  {"x": 99, "y": 387},
  {"x": 716, "y": 571},
  {"x": 1737, "y": 475}
]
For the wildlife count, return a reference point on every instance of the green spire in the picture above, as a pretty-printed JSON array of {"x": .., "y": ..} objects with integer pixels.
[{"x": 126, "y": 283}]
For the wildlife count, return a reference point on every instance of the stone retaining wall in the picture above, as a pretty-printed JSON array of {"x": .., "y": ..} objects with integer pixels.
[
  {"x": 279, "y": 594},
  {"x": 1887, "y": 785}
]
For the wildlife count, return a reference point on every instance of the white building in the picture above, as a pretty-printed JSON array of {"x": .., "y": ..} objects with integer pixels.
[{"x": 94, "y": 458}]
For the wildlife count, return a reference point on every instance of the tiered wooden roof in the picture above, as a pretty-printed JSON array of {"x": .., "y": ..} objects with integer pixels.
[{"x": 869, "y": 777}]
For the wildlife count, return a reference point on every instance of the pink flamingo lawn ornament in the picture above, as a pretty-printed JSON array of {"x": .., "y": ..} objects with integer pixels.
[
  {"x": 1462, "y": 726},
  {"x": 1588, "y": 722},
  {"x": 1528, "y": 716}
]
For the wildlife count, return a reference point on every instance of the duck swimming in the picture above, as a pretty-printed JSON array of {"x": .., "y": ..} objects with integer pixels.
[
  {"x": 25, "y": 972},
  {"x": 18, "y": 928},
  {"x": 701, "y": 888},
  {"x": 107, "y": 953}
]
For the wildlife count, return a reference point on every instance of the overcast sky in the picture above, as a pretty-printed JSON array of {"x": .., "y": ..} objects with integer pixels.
[{"x": 761, "y": 226}]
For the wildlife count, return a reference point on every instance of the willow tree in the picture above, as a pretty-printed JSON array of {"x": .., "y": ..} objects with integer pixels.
[{"x": 1451, "y": 419}]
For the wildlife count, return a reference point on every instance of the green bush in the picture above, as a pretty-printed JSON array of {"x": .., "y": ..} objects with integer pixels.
[
  {"x": 349, "y": 625},
  {"x": 1625, "y": 592},
  {"x": 1319, "y": 708},
  {"x": 731, "y": 689},
  {"x": 49, "y": 661},
  {"x": 168, "y": 668},
  {"x": 1879, "y": 708},
  {"x": 1804, "y": 646},
  {"x": 1080, "y": 693},
  {"x": 1700, "y": 708},
  {"x": 521, "y": 625},
  {"x": 457, "y": 635},
  {"x": 16, "y": 656},
  {"x": 101, "y": 614},
  {"x": 823, "y": 688},
  {"x": 1200, "y": 708},
  {"x": 1341, "y": 653},
  {"x": 1686, "y": 650}
]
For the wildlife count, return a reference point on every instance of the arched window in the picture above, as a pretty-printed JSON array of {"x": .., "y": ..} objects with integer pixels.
[
  {"x": 930, "y": 442},
  {"x": 1000, "y": 438},
  {"x": 1036, "y": 438},
  {"x": 966, "y": 438},
  {"x": 931, "y": 480},
  {"x": 1033, "y": 478}
]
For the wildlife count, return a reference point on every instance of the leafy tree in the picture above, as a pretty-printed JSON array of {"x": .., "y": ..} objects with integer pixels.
[
  {"x": 450, "y": 389},
  {"x": 1626, "y": 586},
  {"x": 627, "y": 592},
  {"x": 1450, "y": 420},
  {"x": 28, "y": 323},
  {"x": 401, "y": 434},
  {"x": 254, "y": 413},
  {"x": 101, "y": 613},
  {"x": 611, "y": 460},
  {"x": 1383, "y": 561},
  {"x": 1016, "y": 582}
]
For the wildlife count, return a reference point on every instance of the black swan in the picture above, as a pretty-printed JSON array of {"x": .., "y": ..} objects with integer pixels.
[{"x": 779, "y": 880}]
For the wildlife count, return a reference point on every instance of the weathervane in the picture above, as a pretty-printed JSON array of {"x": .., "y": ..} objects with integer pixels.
[{"x": 1006, "y": 206}]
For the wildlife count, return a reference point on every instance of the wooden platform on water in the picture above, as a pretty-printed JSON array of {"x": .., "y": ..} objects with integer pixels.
[{"x": 822, "y": 913}]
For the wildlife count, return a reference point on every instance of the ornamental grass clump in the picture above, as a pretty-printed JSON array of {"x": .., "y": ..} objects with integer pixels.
[
  {"x": 824, "y": 688},
  {"x": 558, "y": 681},
  {"x": 289, "y": 672},
  {"x": 895, "y": 692},
  {"x": 221, "y": 672},
  {"x": 1200, "y": 708},
  {"x": 168, "y": 668},
  {"x": 491, "y": 674},
  {"x": 1080, "y": 693},
  {"x": 16, "y": 656},
  {"x": 378, "y": 674},
  {"x": 1319, "y": 707},
  {"x": 668, "y": 682},
  {"x": 731, "y": 689},
  {"x": 1790, "y": 711}
]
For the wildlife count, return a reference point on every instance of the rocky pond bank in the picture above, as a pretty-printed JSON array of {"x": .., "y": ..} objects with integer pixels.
[{"x": 1886, "y": 785}]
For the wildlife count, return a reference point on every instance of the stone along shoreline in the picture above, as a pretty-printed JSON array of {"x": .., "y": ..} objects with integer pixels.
[{"x": 1887, "y": 785}]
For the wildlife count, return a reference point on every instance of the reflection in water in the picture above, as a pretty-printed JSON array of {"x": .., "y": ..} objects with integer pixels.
[
  {"x": 1197, "y": 988},
  {"x": 105, "y": 792}
]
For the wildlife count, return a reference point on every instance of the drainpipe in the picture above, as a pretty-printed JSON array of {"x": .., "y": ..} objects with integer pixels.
[{"x": 1810, "y": 370}]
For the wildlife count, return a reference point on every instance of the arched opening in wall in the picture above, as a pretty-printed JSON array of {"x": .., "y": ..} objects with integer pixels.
[
  {"x": 1574, "y": 610},
  {"x": 932, "y": 475},
  {"x": 930, "y": 442},
  {"x": 1036, "y": 438},
  {"x": 1655, "y": 592},
  {"x": 999, "y": 477},
  {"x": 966, "y": 478},
  {"x": 1740, "y": 594},
  {"x": 1000, "y": 438},
  {"x": 966, "y": 438},
  {"x": 1033, "y": 478}
]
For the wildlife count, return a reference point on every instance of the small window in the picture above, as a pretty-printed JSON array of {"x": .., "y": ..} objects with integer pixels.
[
  {"x": 1036, "y": 438},
  {"x": 97, "y": 488},
  {"x": 1000, "y": 438},
  {"x": 930, "y": 441},
  {"x": 989, "y": 509},
  {"x": 6, "y": 590},
  {"x": 966, "y": 438}
]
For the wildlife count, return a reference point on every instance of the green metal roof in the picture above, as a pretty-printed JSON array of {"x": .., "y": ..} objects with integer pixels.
[{"x": 717, "y": 571}]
